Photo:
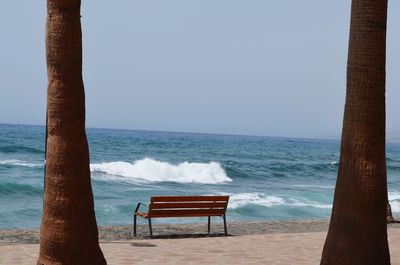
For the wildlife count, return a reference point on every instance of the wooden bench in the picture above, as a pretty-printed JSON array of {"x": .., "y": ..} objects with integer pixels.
[{"x": 183, "y": 206}]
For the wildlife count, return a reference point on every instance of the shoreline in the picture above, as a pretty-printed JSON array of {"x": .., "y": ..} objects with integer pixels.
[{"x": 190, "y": 230}]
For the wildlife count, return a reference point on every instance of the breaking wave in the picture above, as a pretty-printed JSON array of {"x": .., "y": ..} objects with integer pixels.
[
  {"x": 314, "y": 186},
  {"x": 19, "y": 163},
  {"x": 256, "y": 198},
  {"x": 394, "y": 200},
  {"x": 148, "y": 169}
]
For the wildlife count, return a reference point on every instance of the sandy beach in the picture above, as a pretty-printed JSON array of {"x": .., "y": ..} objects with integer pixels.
[{"x": 278, "y": 242}]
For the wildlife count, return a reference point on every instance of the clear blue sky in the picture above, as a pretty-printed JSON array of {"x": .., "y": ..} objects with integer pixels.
[{"x": 223, "y": 66}]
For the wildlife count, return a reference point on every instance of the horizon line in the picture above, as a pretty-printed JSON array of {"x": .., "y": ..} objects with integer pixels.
[
  {"x": 186, "y": 132},
  {"x": 337, "y": 139}
]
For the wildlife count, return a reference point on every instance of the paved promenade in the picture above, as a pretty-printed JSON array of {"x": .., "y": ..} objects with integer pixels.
[{"x": 288, "y": 248}]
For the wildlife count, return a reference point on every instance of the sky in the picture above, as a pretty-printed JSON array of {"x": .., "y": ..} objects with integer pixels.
[{"x": 274, "y": 68}]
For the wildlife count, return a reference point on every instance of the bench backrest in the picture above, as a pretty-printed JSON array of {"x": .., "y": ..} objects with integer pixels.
[{"x": 187, "y": 206}]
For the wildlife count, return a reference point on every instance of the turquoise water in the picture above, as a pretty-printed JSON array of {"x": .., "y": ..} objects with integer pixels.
[{"x": 267, "y": 178}]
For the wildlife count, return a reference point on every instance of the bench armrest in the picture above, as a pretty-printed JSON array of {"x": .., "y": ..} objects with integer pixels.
[{"x": 138, "y": 206}]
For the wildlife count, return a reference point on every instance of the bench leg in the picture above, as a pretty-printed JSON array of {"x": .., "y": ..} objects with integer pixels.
[
  {"x": 209, "y": 224},
  {"x": 226, "y": 230},
  {"x": 134, "y": 224},
  {"x": 150, "y": 228}
]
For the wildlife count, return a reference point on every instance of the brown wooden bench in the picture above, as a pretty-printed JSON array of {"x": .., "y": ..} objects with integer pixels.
[{"x": 183, "y": 206}]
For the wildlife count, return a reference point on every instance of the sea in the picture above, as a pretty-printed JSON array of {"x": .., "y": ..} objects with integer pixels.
[{"x": 267, "y": 178}]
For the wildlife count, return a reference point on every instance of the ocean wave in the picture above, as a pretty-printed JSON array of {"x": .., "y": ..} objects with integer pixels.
[
  {"x": 19, "y": 163},
  {"x": 325, "y": 166},
  {"x": 256, "y": 198},
  {"x": 395, "y": 205},
  {"x": 313, "y": 167},
  {"x": 236, "y": 172},
  {"x": 15, "y": 189},
  {"x": 394, "y": 195},
  {"x": 20, "y": 149},
  {"x": 151, "y": 170},
  {"x": 312, "y": 204},
  {"x": 243, "y": 199},
  {"x": 314, "y": 186},
  {"x": 391, "y": 159},
  {"x": 394, "y": 200}
]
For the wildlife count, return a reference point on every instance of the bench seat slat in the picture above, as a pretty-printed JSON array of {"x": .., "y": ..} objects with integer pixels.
[
  {"x": 189, "y": 198},
  {"x": 186, "y": 213},
  {"x": 183, "y": 216},
  {"x": 188, "y": 205}
]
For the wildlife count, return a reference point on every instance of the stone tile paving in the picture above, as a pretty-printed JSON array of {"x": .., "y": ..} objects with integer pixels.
[{"x": 274, "y": 249}]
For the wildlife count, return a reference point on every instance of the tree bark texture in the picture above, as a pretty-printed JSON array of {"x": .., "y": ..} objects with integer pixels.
[
  {"x": 358, "y": 231},
  {"x": 69, "y": 231}
]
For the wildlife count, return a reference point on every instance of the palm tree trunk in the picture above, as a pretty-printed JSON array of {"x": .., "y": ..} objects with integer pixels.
[
  {"x": 358, "y": 231},
  {"x": 69, "y": 231}
]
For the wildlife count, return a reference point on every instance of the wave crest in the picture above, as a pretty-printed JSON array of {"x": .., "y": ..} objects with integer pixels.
[
  {"x": 314, "y": 186},
  {"x": 148, "y": 169},
  {"x": 20, "y": 149},
  {"x": 394, "y": 200},
  {"x": 256, "y": 198},
  {"x": 19, "y": 163}
]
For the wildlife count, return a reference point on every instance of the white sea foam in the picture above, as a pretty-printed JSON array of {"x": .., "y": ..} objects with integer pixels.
[
  {"x": 15, "y": 162},
  {"x": 243, "y": 199},
  {"x": 315, "y": 186},
  {"x": 307, "y": 203},
  {"x": 148, "y": 169},
  {"x": 394, "y": 200},
  {"x": 394, "y": 195},
  {"x": 395, "y": 206},
  {"x": 257, "y": 198}
]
